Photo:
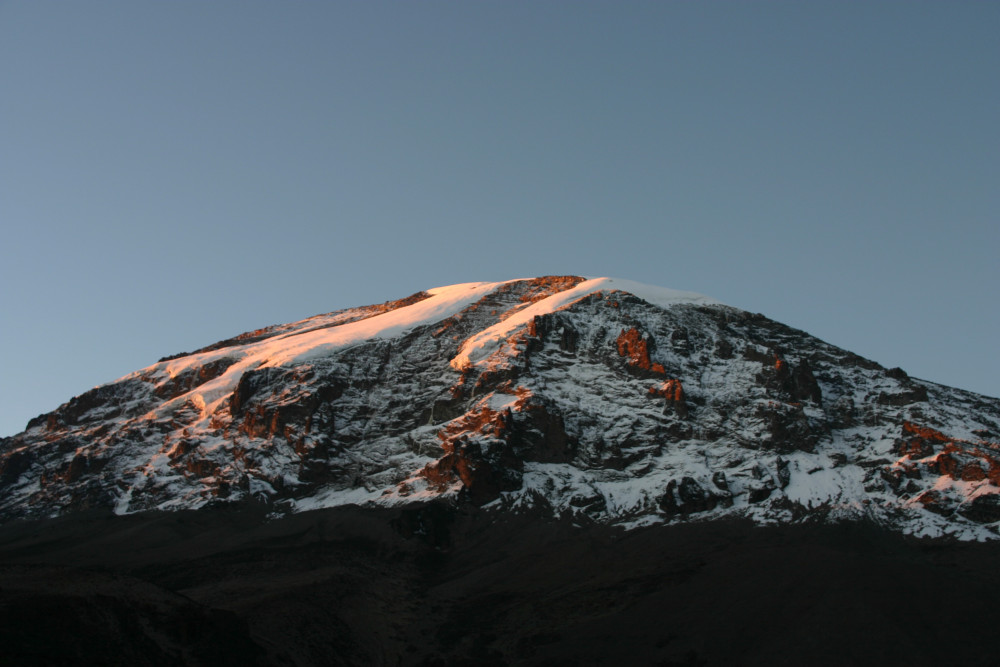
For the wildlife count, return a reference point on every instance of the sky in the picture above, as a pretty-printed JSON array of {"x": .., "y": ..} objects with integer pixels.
[{"x": 173, "y": 174}]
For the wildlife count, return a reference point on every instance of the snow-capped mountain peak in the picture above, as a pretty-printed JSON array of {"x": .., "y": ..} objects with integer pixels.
[{"x": 601, "y": 399}]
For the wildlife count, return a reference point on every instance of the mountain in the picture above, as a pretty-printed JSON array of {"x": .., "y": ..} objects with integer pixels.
[
  {"x": 550, "y": 471},
  {"x": 595, "y": 401}
]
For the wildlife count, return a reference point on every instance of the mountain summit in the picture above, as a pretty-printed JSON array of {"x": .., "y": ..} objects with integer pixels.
[{"x": 601, "y": 400}]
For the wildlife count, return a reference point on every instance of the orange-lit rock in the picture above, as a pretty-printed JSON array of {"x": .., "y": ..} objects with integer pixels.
[
  {"x": 945, "y": 464},
  {"x": 673, "y": 392},
  {"x": 957, "y": 459},
  {"x": 993, "y": 472},
  {"x": 934, "y": 502},
  {"x": 919, "y": 441},
  {"x": 485, "y": 449},
  {"x": 477, "y": 454},
  {"x": 632, "y": 344},
  {"x": 546, "y": 286},
  {"x": 972, "y": 472},
  {"x": 924, "y": 432}
]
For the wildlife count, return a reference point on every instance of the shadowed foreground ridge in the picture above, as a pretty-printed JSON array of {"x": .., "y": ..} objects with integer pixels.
[{"x": 432, "y": 585}]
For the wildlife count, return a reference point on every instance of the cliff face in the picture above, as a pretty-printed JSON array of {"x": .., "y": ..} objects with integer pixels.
[{"x": 601, "y": 400}]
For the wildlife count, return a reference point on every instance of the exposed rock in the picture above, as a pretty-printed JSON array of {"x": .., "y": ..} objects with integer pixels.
[
  {"x": 102, "y": 403},
  {"x": 15, "y": 463},
  {"x": 184, "y": 382},
  {"x": 484, "y": 466},
  {"x": 972, "y": 472},
  {"x": 804, "y": 386},
  {"x": 897, "y": 374},
  {"x": 982, "y": 509},
  {"x": 764, "y": 357},
  {"x": 673, "y": 393},
  {"x": 917, "y": 394},
  {"x": 723, "y": 349},
  {"x": 632, "y": 344},
  {"x": 688, "y": 497},
  {"x": 724, "y": 494},
  {"x": 853, "y": 360},
  {"x": 680, "y": 341},
  {"x": 842, "y": 413},
  {"x": 784, "y": 474},
  {"x": 539, "y": 435},
  {"x": 759, "y": 494},
  {"x": 787, "y": 428},
  {"x": 934, "y": 501}
]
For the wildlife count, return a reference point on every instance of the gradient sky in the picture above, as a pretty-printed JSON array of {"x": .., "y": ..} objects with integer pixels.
[{"x": 174, "y": 173}]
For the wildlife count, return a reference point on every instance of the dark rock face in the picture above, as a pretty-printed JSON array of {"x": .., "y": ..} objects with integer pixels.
[
  {"x": 263, "y": 407},
  {"x": 15, "y": 464},
  {"x": 984, "y": 509},
  {"x": 688, "y": 497},
  {"x": 541, "y": 436},
  {"x": 102, "y": 403},
  {"x": 906, "y": 397},
  {"x": 760, "y": 494},
  {"x": 803, "y": 385},
  {"x": 918, "y": 441},
  {"x": 486, "y": 450}
]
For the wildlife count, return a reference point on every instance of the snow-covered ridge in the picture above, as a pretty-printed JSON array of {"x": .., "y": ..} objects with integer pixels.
[
  {"x": 444, "y": 302},
  {"x": 298, "y": 346},
  {"x": 486, "y": 341}
]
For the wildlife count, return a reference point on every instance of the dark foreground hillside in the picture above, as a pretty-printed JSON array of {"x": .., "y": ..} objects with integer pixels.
[{"x": 432, "y": 586}]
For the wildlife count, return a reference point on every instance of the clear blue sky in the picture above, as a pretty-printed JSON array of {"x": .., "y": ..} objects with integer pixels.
[{"x": 174, "y": 173}]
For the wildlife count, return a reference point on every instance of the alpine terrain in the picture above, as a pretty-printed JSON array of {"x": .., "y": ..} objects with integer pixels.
[
  {"x": 602, "y": 399},
  {"x": 504, "y": 473}
]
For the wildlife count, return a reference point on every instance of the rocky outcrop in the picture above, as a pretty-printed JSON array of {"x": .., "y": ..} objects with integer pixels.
[
  {"x": 192, "y": 378},
  {"x": 690, "y": 497},
  {"x": 929, "y": 458},
  {"x": 982, "y": 509},
  {"x": 918, "y": 442},
  {"x": 478, "y": 454},
  {"x": 100, "y": 404},
  {"x": 633, "y": 344},
  {"x": 278, "y": 402},
  {"x": 917, "y": 394},
  {"x": 673, "y": 394},
  {"x": 485, "y": 450}
]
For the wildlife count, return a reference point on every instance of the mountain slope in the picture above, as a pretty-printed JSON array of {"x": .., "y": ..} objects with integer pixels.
[
  {"x": 599, "y": 400},
  {"x": 432, "y": 584}
]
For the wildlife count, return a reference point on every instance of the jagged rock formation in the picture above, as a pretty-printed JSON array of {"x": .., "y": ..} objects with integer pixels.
[{"x": 602, "y": 400}]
